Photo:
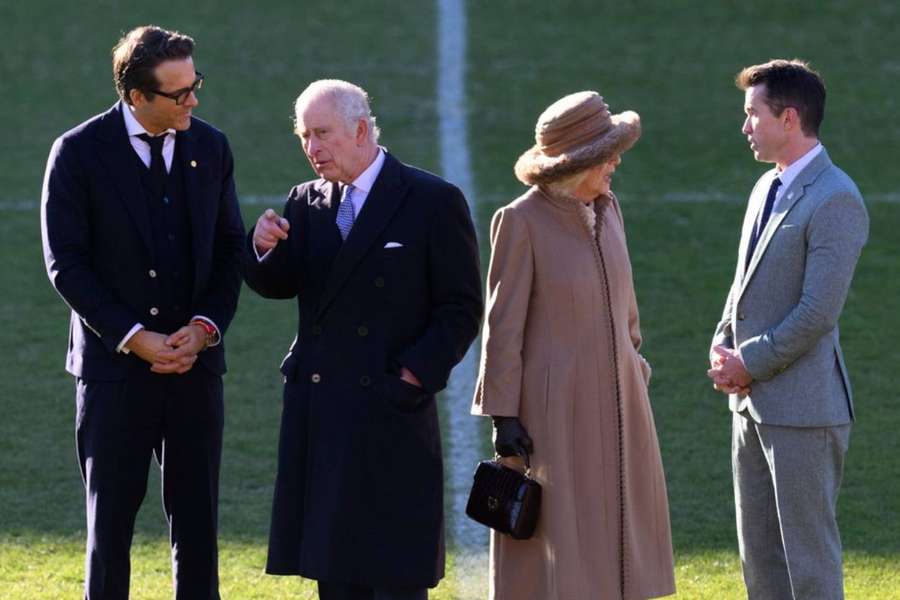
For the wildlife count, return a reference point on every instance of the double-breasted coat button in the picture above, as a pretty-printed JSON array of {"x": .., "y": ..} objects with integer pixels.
[
  {"x": 154, "y": 311},
  {"x": 365, "y": 381},
  {"x": 362, "y": 330},
  {"x": 152, "y": 273},
  {"x": 315, "y": 378},
  {"x": 317, "y": 330},
  {"x": 379, "y": 282},
  {"x": 740, "y": 316}
]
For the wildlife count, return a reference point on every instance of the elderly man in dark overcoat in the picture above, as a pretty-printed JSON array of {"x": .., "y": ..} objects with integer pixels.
[{"x": 383, "y": 260}]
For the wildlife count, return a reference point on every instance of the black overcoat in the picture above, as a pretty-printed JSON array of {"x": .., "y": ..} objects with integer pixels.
[{"x": 358, "y": 497}]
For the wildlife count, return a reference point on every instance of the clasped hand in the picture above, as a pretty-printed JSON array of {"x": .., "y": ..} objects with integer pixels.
[
  {"x": 172, "y": 354},
  {"x": 727, "y": 371}
]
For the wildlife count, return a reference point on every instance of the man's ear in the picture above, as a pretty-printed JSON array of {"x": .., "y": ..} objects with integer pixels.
[
  {"x": 137, "y": 98},
  {"x": 362, "y": 132},
  {"x": 791, "y": 118}
]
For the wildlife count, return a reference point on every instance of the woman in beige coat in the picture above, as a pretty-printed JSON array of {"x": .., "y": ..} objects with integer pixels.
[{"x": 561, "y": 374}]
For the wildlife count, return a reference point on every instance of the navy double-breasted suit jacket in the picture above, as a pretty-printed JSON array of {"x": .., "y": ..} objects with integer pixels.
[
  {"x": 98, "y": 246},
  {"x": 358, "y": 496}
]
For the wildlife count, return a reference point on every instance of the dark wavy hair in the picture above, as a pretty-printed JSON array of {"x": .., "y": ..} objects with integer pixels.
[
  {"x": 789, "y": 83},
  {"x": 139, "y": 52}
]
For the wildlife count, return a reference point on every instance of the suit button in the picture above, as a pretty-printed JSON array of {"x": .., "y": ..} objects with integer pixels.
[
  {"x": 152, "y": 273},
  {"x": 315, "y": 378},
  {"x": 740, "y": 316},
  {"x": 362, "y": 330},
  {"x": 154, "y": 311},
  {"x": 379, "y": 282},
  {"x": 365, "y": 381},
  {"x": 317, "y": 330}
]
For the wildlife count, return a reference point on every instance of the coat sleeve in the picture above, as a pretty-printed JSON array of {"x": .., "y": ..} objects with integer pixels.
[
  {"x": 66, "y": 236},
  {"x": 723, "y": 335},
  {"x": 219, "y": 301},
  {"x": 510, "y": 275},
  {"x": 454, "y": 281},
  {"x": 277, "y": 275},
  {"x": 836, "y": 234},
  {"x": 634, "y": 320}
]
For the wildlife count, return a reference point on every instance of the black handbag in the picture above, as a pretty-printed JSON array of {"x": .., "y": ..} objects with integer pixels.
[{"x": 504, "y": 499}]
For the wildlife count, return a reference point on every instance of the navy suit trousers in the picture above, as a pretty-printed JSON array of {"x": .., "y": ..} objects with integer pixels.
[{"x": 119, "y": 426}]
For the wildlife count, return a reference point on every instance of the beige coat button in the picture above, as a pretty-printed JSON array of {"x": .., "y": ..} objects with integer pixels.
[
  {"x": 154, "y": 311},
  {"x": 193, "y": 163}
]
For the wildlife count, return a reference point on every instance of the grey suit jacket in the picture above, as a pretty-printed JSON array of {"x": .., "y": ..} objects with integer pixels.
[{"x": 782, "y": 313}]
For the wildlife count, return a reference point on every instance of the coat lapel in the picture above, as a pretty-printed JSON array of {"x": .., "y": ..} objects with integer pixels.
[
  {"x": 792, "y": 195},
  {"x": 324, "y": 239},
  {"x": 385, "y": 197},
  {"x": 117, "y": 154},
  {"x": 754, "y": 205},
  {"x": 194, "y": 198}
]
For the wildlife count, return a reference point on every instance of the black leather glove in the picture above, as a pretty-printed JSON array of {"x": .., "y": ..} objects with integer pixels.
[{"x": 510, "y": 437}]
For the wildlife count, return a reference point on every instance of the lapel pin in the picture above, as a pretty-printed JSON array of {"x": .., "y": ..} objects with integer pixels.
[
  {"x": 791, "y": 196},
  {"x": 193, "y": 163}
]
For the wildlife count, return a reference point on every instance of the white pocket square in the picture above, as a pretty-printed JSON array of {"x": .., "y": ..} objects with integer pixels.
[{"x": 393, "y": 245}]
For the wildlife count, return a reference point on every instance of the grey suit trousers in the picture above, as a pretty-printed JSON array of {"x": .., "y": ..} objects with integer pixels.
[{"x": 786, "y": 483}]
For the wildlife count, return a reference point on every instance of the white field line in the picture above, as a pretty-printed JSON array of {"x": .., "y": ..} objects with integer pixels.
[
  {"x": 463, "y": 430},
  {"x": 25, "y": 204}
]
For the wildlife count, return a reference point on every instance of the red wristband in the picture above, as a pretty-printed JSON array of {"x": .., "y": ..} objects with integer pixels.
[{"x": 208, "y": 328}]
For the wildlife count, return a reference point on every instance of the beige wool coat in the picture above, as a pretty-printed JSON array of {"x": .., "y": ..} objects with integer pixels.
[{"x": 560, "y": 351}]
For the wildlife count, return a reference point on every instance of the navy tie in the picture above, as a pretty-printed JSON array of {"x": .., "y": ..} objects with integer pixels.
[
  {"x": 763, "y": 219},
  {"x": 344, "y": 219},
  {"x": 157, "y": 163}
]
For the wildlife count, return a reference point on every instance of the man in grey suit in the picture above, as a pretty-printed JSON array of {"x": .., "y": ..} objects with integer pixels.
[{"x": 776, "y": 351}]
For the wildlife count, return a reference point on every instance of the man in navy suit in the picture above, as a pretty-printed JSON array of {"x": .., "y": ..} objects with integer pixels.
[
  {"x": 383, "y": 261},
  {"x": 143, "y": 239}
]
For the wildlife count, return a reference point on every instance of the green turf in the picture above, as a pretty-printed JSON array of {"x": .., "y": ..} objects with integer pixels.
[{"x": 674, "y": 65}]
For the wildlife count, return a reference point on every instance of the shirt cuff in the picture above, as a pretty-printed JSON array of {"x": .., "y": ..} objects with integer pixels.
[
  {"x": 121, "y": 347},
  {"x": 218, "y": 337},
  {"x": 258, "y": 257}
]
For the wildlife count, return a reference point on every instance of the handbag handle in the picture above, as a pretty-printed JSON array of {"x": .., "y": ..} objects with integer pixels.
[{"x": 524, "y": 454}]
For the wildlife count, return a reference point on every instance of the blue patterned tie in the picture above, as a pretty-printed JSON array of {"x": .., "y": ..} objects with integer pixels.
[{"x": 344, "y": 218}]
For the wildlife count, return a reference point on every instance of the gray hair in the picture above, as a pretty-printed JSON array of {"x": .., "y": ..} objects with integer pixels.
[
  {"x": 350, "y": 101},
  {"x": 566, "y": 186}
]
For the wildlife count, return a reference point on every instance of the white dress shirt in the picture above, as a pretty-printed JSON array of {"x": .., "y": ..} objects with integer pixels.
[
  {"x": 363, "y": 184},
  {"x": 788, "y": 176}
]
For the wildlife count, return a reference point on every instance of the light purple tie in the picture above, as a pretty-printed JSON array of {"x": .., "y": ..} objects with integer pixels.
[{"x": 344, "y": 218}]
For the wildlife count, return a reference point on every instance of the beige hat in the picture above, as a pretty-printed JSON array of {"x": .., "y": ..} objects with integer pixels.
[{"x": 574, "y": 133}]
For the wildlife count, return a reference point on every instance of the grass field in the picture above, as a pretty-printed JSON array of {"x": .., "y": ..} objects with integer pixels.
[{"x": 682, "y": 188}]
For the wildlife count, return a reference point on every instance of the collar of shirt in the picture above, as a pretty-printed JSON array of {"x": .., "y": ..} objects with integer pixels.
[
  {"x": 142, "y": 148},
  {"x": 363, "y": 184},
  {"x": 788, "y": 176}
]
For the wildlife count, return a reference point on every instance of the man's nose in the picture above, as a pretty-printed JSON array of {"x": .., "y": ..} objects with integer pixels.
[{"x": 191, "y": 101}]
